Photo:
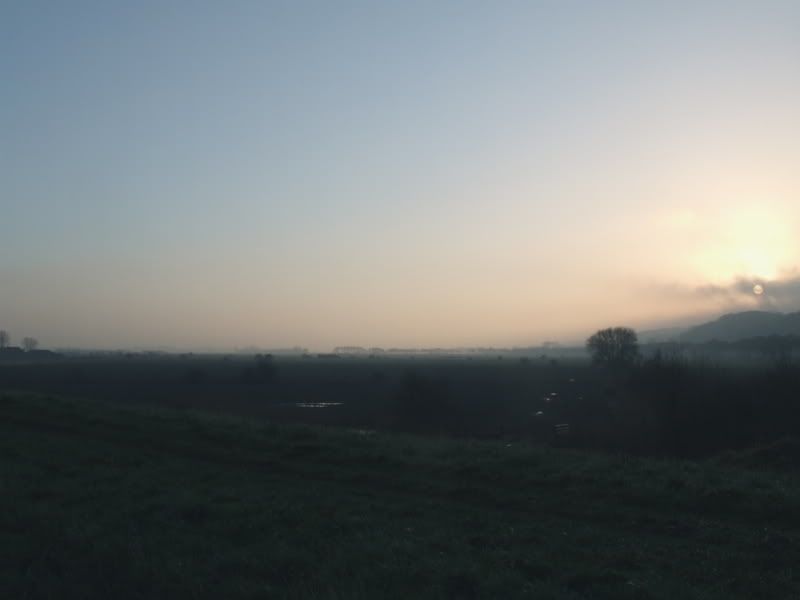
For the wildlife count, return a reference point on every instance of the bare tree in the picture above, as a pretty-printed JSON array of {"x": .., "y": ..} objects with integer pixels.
[
  {"x": 3, "y": 338},
  {"x": 30, "y": 344},
  {"x": 614, "y": 346}
]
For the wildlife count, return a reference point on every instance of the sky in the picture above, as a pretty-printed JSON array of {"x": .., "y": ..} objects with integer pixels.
[{"x": 213, "y": 175}]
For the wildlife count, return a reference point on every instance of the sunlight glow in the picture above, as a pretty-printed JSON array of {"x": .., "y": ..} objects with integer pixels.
[{"x": 751, "y": 242}]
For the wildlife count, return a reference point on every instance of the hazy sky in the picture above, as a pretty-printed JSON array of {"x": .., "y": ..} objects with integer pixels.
[{"x": 220, "y": 174}]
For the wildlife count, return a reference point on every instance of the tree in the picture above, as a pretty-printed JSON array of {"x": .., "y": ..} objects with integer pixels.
[
  {"x": 30, "y": 344},
  {"x": 3, "y": 338},
  {"x": 614, "y": 346}
]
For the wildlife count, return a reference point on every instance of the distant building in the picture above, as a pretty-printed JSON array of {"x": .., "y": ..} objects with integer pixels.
[
  {"x": 17, "y": 353},
  {"x": 11, "y": 353},
  {"x": 349, "y": 350}
]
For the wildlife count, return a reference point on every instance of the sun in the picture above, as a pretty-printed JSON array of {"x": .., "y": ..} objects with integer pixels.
[{"x": 758, "y": 289}]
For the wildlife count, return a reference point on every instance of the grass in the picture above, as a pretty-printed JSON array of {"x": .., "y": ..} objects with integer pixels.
[{"x": 101, "y": 501}]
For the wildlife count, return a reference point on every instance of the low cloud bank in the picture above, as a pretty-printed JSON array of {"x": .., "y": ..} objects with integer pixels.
[
  {"x": 691, "y": 305},
  {"x": 781, "y": 294}
]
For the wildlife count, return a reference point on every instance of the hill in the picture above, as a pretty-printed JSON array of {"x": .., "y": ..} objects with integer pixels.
[
  {"x": 655, "y": 336},
  {"x": 749, "y": 324},
  {"x": 100, "y": 501}
]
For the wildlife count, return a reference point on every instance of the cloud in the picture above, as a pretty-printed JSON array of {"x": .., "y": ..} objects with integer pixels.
[
  {"x": 783, "y": 294},
  {"x": 780, "y": 294}
]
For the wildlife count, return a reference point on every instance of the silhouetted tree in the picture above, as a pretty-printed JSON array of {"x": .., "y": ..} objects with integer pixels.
[
  {"x": 3, "y": 338},
  {"x": 29, "y": 344},
  {"x": 614, "y": 346}
]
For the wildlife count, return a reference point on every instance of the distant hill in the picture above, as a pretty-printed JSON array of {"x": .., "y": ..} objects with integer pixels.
[
  {"x": 665, "y": 334},
  {"x": 742, "y": 325}
]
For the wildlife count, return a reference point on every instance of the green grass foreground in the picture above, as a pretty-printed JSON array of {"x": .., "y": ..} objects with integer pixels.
[{"x": 99, "y": 501}]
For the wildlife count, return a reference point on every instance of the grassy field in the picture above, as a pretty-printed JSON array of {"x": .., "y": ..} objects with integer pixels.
[
  {"x": 482, "y": 396},
  {"x": 103, "y": 501},
  {"x": 659, "y": 408}
]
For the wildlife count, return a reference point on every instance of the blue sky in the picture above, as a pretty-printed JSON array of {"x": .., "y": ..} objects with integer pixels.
[{"x": 389, "y": 173}]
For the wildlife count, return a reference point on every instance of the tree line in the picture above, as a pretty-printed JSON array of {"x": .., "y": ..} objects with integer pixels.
[{"x": 28, "y": 343}]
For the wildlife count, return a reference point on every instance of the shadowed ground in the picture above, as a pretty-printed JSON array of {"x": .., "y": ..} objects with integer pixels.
[{"x": 102, "y": 501}]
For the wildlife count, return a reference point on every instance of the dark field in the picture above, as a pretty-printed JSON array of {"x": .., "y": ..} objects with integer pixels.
[
  {"x": 437, "y": 477},
  {"x": 119, "y": 502},
  {"x": 661, "y": 407},
  {"x": 476, "y": 397}
]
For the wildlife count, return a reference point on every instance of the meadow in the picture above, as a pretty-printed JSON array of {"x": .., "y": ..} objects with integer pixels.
[
  {"x": 198, "y": 476},
  {"x": 666, "y": 405},
  {"x": 104, "y": 500}
]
